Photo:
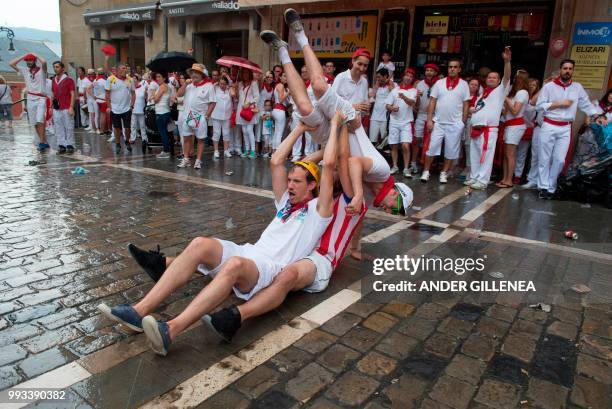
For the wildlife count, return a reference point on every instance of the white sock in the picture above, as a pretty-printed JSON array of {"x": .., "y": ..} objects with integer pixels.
[
  {"x": 283, "y": 54},
  {"x": 301, "y": 38}
]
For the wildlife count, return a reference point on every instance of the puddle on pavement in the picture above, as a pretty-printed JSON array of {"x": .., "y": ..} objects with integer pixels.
[
  {"x": 554, "y": 360},
  {"x": 158, "y": 194},
  {"x": 426, "y": 366},
  {"x": 466, "y": 312},
  {"x": 508, "y": 368},
  {"x": 426, "y": 228}
]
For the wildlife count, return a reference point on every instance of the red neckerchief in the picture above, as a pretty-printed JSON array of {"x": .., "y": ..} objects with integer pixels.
[
  {"x": 81, "y": 77},
  {"x": 122, "y": 79},
  {"x": 34, "y": 70},
  {"x": 452, "y": 84},
  {"x": 91, "y": 78},
  {"x": 607, "y": 109},
  {"x": 307, "y": 83},
  {"x": 138, "y": 84},
  {"x": 473, "y": 100},
  {"x": 405, "y": 87},
  {"x": 100, "y": 77},
  {"x": 203, "y": 82},
  {"x": 431, "y": 81},
  {"x": 56, "y": 78},
  {"x": 561, "y": 84},
  {"x": 290, "y": 208},
  {"x": 330, "y": 78},
  {"x": 268, "y": 87},
  {"x": 389, "y": 184},
  {"x": 487, "y": 91}
]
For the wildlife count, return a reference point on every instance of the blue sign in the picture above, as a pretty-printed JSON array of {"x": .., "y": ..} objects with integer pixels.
[{"x": 593, "y": 33}]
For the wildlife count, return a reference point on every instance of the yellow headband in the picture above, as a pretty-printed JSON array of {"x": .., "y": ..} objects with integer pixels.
[{"x": 312, "y": 168}]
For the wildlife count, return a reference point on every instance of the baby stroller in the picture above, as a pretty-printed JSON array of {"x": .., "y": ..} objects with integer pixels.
[{"x": 589, "y": 176}]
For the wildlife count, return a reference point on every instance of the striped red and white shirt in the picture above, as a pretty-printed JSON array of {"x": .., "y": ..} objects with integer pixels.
[{"x": 338, "y": 235}]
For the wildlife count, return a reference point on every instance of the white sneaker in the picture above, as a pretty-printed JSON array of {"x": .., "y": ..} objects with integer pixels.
[
  {"x": 97, "y": 132},
  {"x": 227, "y": 154},
  {"x": 394, "y": 170},
  {"x": 216, "y": 155},
  {"x": 111, "y": 139},
  {"x": 469, "y": 182},
  {"x": 163, "y": 155},
  {"x": 443, "y": 177},
  {"x": 198, "y": 164},
  {"x": 413, "y": 168},
  {"x": 244, "y": 155},
  {"x": 425, "y": 176},
  {"x": 529, "y": 185},
  {"x": 407, "y": 173},
  {"x": 88, "y": 129},
  {"x": 184, "y": 163},
  {"x": 478, "y": 186}
]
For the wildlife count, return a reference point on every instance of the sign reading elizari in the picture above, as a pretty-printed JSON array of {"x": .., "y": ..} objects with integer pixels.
[
  {"x": 119, "y": 17},
  {"x": 591, "y": 51}
]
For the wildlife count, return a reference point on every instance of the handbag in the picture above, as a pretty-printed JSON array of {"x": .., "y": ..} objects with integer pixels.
[{"x": 247, "y": 113}]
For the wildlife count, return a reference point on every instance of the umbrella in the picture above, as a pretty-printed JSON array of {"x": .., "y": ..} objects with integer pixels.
[
  {"x": 171, "y": 61},
  {"x": 229, "y": 61}
]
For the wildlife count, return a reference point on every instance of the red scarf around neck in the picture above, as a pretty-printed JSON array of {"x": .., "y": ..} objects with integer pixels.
[
  {"x": 203, "y": 82},
  {"x": 452, "y": 84},
  {"x": 487, "y": 91},
  {"x": 81, "y": 77},
  {"x": 289, "y": 208},
  {"x": 100, "y": 77},
  {"x": 561, "y": 84},
  {"x": 473, "y": 100},
  {"x": 268, "y": 87},
  {"x": 34, "y": 70},
  {"x": 431, "y": 81},
  {"x": 404, "y": 87}
]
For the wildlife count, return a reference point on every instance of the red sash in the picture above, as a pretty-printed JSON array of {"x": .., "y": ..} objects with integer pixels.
[
  {"x": 280, "y": 106},
  {"x": 515, "y": 121},
  {"x": 557, "y": 123},
  {"x": 528, "y": 135},
  {"x": 484, "y": 131}
]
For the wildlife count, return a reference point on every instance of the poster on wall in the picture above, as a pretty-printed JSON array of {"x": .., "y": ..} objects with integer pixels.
[
  {"x": 591, "y": 64},
  {"x": 337, "y": 37},
  {"x": 435, "y": 25},
  {"x": 394, "y": 37}
]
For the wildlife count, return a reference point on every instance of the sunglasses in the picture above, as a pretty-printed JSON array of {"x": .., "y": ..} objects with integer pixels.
[{"x": 398, "y": 205}]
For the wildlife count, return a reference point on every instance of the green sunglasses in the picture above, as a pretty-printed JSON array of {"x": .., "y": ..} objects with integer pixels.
[{"x": 396, "y": 209}]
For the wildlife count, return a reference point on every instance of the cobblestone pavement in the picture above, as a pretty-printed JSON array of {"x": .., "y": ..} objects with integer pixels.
[{"x": 63, "y": 250}]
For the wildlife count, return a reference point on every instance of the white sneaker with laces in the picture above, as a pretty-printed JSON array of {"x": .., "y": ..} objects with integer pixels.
[
  {"x": 184, "y": 163},
  {"x": 469, "y": 182},
  {"x": 163, "y": 155},
  {"x": 425, "y": 176},
  {"x": 529, "y": 185},
  {"x": 228, "y": 154},
  {"x": 394, "y": 170},
  {"x": 216, "y": 155},
  {"x": 111, "y": 139},
  {"x": 198, "y": 164},
  {"x": 413, "y": 168},
  {"x": 478, "y": 186},
  {"x": 407, "y": 173},
  {"x": 443, "y": 177}
]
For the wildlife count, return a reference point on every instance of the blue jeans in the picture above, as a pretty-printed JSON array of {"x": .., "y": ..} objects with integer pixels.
[{"x": 162, "y": 126}]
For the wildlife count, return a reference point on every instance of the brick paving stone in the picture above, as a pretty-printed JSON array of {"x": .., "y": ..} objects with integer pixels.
[
  {"x": 49, "y": 339},
  {"x": 416, "y": 327},
  {"x": 225, "y": 399},
  {"x": 17, "y": 333},
  {"x": 60, "y": 319},
  {"x": 466, "y": 369},
  {"x": 456, "y": 327},
  {"x": 441, "y": 345},
  {"x": 352, "y": 389},
  {"x": 596, "y": 346},
  {"x": 567, "y": 315},
  {"x": 501, "y": 312},
  {"x": 527, "y": 328},
  {"x": 45, "y": 361},
  {"x": 376, "y": 365},
  {"x": 519, "y": 347},
  {"x": 380, "y": 322},
  {"x": 322, "y": 403},
  {"x": 341, "y": 323},
  {"x": 25, "y": 279},
  {"x": 563, "y": 330},
  {"x": 338, "y": 357},
  {"x": 9, "y": 307},
  {"x": 315, "y": 341},
  {"x": 546, "y": 395},
  {"x": 360, "y": 338},
  {"x": 41, "y": 297},
  {"x": 597, "y": 327},
  {"x": 275, "y": 399},
  {"x": 492, "y": 327},
  {"x": 432, "y": 404},
  {"x": 14, "y": 294},
  {"x": 498, "y": 395},
  {"x": 94, "y": 323},
  {"x": 452, "y": 392},
  {"x": 588, "y": 393},
  {"x": 480, "y": 347},
  {"x": 594, "y": 368},
  {"x": 31, "y": 313},
  {"x": 257, "y": 381},
  {"x": 397, "y": 345},
  {"x": 93, "y": 342},
  {"x": 290, "y": 360},
  {"x": 533, "y": 315},
  {"x": 400, "y": 310},
  {"x": 9, "y": 377},
  {"x": 309, "y": 380},
  {"x": 11, "y": 353},
  {"x": 432, "y": 311},
  {"x": 405, "y": 391}
]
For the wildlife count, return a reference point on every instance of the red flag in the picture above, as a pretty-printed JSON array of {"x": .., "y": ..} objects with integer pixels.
[{"x": 109, "y": 50}]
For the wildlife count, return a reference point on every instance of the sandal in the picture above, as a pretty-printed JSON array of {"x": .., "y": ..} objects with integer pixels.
[{"x": 503, "y": 185}]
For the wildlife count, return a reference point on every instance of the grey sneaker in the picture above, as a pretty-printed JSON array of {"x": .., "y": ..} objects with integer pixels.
[
  {"x": 271, "y": 38},
  {"x": 292, "y": 18}
]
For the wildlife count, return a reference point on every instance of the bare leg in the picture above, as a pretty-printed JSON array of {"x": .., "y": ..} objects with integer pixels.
[
  {"x": 394, "y": 154},
  {"x": 315, "y": 71},
  {"x": 201, "y": 250},
  {"x": 128, "y": 132},
  {"x": 40, "y": 130},
  {"x": 237, "y": 272},
  {"x": 117, "y": 135},
  {"x": 428, "y": 162},
  {"x": 187, "y": 145},
  {"x": 447, "y": 164},
  {"x": 200, "y": 149},
  {"x": 298, "y": 90},
  {"x": 406, "y": 154},
  {"x": 356, "y": 243}
]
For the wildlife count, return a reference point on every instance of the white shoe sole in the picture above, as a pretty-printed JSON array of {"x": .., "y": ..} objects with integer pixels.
[
  {"x": 149, "y": 325},
  {"x": 106, "y": 311}
]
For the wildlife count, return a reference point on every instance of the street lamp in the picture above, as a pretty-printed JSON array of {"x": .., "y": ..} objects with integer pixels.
[{"x": 10, "y": 34}]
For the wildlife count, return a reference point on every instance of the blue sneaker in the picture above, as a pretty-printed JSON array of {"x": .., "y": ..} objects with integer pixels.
[
  {"x": 123, "y": 314},
  {"x": 42, "y": 147},
  {"x": 158, "y": 333}
]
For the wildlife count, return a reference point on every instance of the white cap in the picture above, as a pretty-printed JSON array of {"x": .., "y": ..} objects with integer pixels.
[{"x": 407, "y": 195}]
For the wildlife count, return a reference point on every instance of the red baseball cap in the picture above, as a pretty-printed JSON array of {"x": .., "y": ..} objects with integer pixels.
[
  {"x": 361, "y": 52},
  {"x": 29, "y": 57},
  {"x": 411, "y": 71}
]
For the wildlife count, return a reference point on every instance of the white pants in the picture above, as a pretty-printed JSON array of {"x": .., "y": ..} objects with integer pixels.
[
  {"x": 279, "y": 127},
  {"x": 419, "y": 126},
  {"x": 248, "y": 135},
  {"x": 451, "y": 135},
  {"x": 93, "y": 108},
  {"x": 138, "y": 123},
  {"x": 308, "y": 146},
  {"x": 221, "y": 127},
  {"x": 481, "y": 172},
  {"x": 554, "y": 143},
  {"x": 63, "y": 124},
  {"x": 84, "y": 116},
  {"x": 535, "y": 151},
  {"x": 521, "y": 156},
  {"x": 378, "y": 128},
  {"x": 236, "y": 139}
]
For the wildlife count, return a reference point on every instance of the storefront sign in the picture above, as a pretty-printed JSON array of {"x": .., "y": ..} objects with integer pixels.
[
  {"x": 337, "y": 37},
  {"x": 178, "y": 8},
  {"x": 135, "y": 14},
  {"x": 591, "y": 63},
  {"x": 593, "y": 33},
  {"x": 435, "y": 25}
]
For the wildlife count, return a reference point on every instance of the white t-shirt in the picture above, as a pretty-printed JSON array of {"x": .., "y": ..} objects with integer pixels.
[
  {"x": 152, "y": 88},
  {"x": 360, "y": 145},
  {"x": 120, "y": 93},
  {"x": 530, "y": 115},
  {"x": 198, "y": 97},
  {"x": 354, "y": 92},
  {"x": 294, "y": 238},
  {"x": 140, "y": 102},
  {"x": 423, "y": 99},
  {"x": 36, "y": 82},
  {"x": 379, "y": 112},
  {"x": 223, "y": 108},
  {"x": 487, "y": 111},
  {"x": 99, "y": 89},
  {"x": 389, "y": 66},
  {"x": 405, "y": 114},
  {"x": 553, "y": 92},
  {"x": 247, "y": 95},
  {"x": 264, "y": 95},
  {"x": 48, "y": 88},
  {"x": 520, "y": 96},
  {"x": 82, "y": 84},
  {"x": 449, "y": 104}
]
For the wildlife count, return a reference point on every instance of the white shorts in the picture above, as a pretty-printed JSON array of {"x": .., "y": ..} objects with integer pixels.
[
  {"x": 513, "y": 134},
  {"x": 267, "y": 269},
  {"x": 419, "y": 126},
  {"x": 92, "y": 107},
  {"x": 451, "y": 135},
  {"x": 400, "y": 133},
  {"x": 37, "y": 109},
  {"x": 323, "y": 272},
  {"x": 201, "y": 132},
  {"x": 221, "y": 126}
]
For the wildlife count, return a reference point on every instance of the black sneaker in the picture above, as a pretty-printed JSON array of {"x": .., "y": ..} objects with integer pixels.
[
  {"x": 117, "y": 148},
  {"x": 152, "y": 262},
  {"x": 544, "y": 194},
  {"x": 271, "y": 38},
  {"x": 129, "y": 147},
  {"x": 70, "y": 149},
  {"x": 61, "y": 149},
  {"x": 144, "y": 147},
  {"x": 225, "y": 323},
  {"x": 292, "y": 18}
]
